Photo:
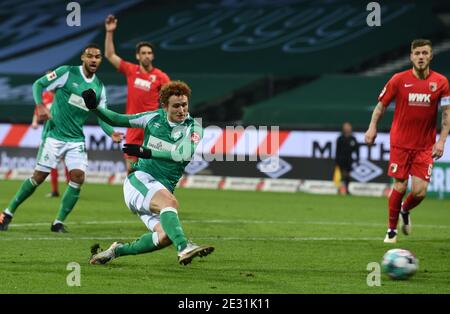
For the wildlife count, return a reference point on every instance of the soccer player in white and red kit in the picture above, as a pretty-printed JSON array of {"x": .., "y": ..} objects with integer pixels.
[
  {"x": 144, "y": 82},
  {"x": 418, "y": 93}
]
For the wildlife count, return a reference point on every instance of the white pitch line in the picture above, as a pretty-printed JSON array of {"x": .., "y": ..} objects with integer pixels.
[
  {"x": 56, "y": 238},
  {"x": 230, "y": 221},
  {"x": 271, "y": 239}
]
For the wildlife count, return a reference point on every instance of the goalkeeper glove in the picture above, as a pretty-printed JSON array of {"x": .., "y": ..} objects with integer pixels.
[
  {"x": 137, "y": 150},
  {"x": 90, "y": 99}
]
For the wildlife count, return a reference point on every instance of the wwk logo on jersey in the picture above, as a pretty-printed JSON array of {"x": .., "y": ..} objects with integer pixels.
[
  {"x": 142, "y": 84},
  {"x": 416, "y": 99}
]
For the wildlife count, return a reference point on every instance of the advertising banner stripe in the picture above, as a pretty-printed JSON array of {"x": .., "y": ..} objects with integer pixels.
[
  {"x": 272, "y": 143},
  {"x": 226, "y": 142},
  {"x": 15, "y": 135}
]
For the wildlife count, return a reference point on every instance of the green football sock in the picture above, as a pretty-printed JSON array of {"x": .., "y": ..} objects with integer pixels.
[
  {"x": 145, "y": 244},
  {"x": 68, "y": 201},
  {"x": 172, "y": 227},
  {"x": 26, "y": 189}
]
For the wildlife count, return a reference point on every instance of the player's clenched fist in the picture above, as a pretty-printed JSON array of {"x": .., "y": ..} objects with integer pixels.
[
  {"x": 370, "y": 136},
  {"x": 110, "y": 23},
  {"x": 90, "y": 99},
  {"x": 137, "y": 150}
]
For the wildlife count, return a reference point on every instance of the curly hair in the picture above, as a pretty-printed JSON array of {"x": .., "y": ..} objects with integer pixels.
[{"x": 177, "y": 88}]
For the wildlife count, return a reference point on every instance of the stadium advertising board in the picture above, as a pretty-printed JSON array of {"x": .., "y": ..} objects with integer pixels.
[{"x": 296, "y": 155}]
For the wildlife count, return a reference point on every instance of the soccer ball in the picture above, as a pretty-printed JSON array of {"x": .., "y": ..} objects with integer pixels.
[{"x": 400, "y": 263}]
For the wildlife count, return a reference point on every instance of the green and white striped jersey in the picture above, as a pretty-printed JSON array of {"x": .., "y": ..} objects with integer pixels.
[
  {"x": 172, "y": 144},
  {"x": 69, "y": 113}
]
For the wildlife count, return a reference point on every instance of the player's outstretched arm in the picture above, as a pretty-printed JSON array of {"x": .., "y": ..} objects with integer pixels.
[
  {"x": 371, "y": 132},
  {"x": 108, "y": 116},
  {"x": 110, "y": 51}
]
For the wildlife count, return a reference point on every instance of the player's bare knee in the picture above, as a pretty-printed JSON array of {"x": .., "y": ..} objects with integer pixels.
[
  {"x": 77, "y": 176},
  {"x": 38, "y": 177},
  {"x": 164, "y": 239},
  {"x": 171, "y": 201},
  {"x": 419, "y": 193}
]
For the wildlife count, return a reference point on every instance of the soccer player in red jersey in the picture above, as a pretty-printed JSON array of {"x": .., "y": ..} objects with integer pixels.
[
  {"x": 144, "y": 81},
  {"x": 417, "y": 93}
]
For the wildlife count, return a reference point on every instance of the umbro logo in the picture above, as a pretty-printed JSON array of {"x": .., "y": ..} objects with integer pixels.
[{"x": 408, "y": 85}]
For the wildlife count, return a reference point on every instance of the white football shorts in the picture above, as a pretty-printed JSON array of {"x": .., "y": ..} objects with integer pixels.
[
  {"x": 138, "y": 190},
  {"x": 52, "y": 150}
]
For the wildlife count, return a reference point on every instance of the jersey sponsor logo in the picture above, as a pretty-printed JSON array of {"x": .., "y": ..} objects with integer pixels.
[
  {"x": 433, "y": 86},
  {"x": 142, "y": 84},
  {"x": 159, "y": 144},
  {"x": 421, "y": 100},
  {"x": 445, "y": 101},
  {"x": 51, "y": 76},
  {"x": 408, "y": 85},
  {"x": 77, "y": 101},
  {"x": 195, "y": 137}
]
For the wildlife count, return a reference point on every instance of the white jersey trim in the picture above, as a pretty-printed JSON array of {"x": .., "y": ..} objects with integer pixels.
[
  {"x": 103, "y": 100},
  {"x": 60, "y": 82},
  {"x": 142, "y": 121},
  {"x": 87, "y": 80},
  {"x": 445, "y": 101}
]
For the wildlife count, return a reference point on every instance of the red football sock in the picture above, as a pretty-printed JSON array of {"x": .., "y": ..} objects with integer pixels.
[
  {"x": 395, "y": 202},
  {"x": 411, "y": 202},
  {"x": 54, "y": 180}
]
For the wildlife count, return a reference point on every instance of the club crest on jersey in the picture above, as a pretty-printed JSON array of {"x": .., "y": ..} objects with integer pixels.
[
  {"x": 176, "y": 135},
  {"x": 51, "y": 76},
  {"x": 394, "y": 168},
  {"x": 152, "y": 78},
  {"x": 195, "y": 137},
  {"x": 433, "y": 86}
]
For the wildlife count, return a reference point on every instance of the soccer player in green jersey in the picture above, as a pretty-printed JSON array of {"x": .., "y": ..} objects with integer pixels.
[
  {"x": 170, "y": 139},
  {"x": 63, "y": 134}
]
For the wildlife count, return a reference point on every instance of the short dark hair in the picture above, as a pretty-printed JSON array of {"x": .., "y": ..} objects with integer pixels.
[
  {"x": 91, "y": 45},
  {"x": 141, "y": 44},
  {"x": 420, "y": 43}
]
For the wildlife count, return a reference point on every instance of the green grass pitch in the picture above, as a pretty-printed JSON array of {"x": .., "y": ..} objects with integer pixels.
[{"x": 265, "y": 243}]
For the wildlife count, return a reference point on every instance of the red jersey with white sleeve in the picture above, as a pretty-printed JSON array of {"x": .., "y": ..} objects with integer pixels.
[
  {"x": 143, "y": 87},
  {"x": 416, "y": 107}
]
